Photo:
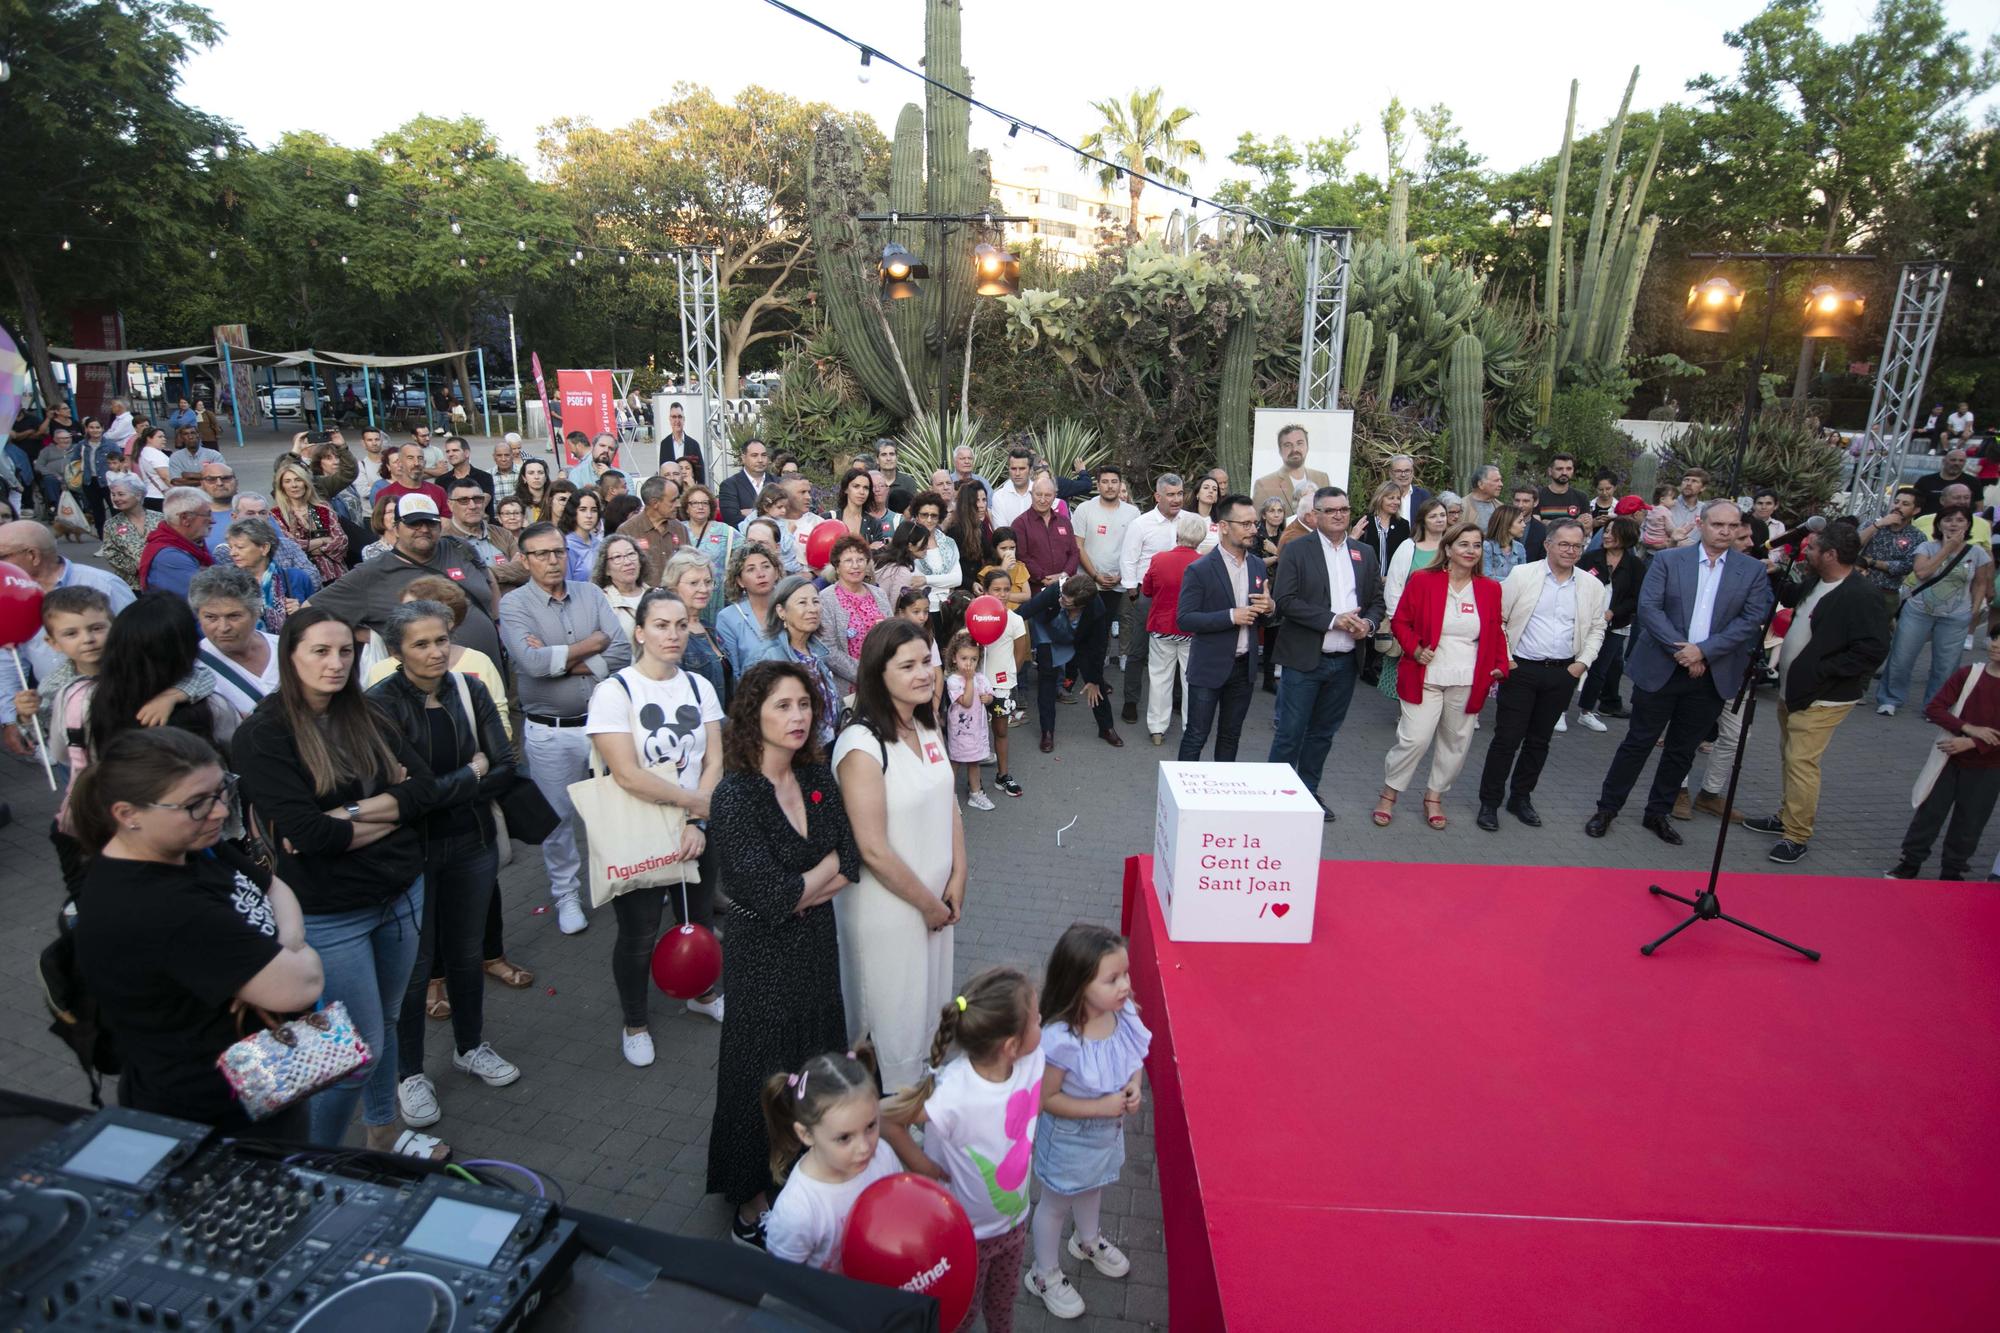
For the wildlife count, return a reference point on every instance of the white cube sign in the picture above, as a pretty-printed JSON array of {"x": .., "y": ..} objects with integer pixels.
[{"x": 1236, "y": 853}]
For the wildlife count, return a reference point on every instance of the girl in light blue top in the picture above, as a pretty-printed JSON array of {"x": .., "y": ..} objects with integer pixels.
[
  {"x": 581, "y": 532},
  {"x": 1096, "y": 1049}
]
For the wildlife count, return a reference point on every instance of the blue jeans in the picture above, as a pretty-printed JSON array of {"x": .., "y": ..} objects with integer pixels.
[
  {"x": 1915, "y": 628},
  {"x": 367, "y": 955},
  {"x": 1311, "y": 706},
  {"x": 458, "y": 889}
]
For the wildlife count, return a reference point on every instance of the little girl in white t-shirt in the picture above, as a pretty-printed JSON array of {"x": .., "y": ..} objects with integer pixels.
[{"x": 831, "y": 1108}]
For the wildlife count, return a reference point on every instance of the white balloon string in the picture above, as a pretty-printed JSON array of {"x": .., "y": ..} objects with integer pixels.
[{"x": 35, "y": 722}]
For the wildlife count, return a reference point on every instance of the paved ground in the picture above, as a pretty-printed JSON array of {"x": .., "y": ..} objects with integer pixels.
[{"x": 632, "y": 1143}]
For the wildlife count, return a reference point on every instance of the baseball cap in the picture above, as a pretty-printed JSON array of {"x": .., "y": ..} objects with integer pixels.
[
  {"x": 1630, "y": 504},
  {"x": 419, "y": 507}
]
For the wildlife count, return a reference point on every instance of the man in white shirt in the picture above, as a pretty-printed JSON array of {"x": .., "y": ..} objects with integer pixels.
[
  {"x": 1145, "y": 537},
  {"x": 1555, "y": 623},
  {"x": 1100, "y": 526},
  {"x": 1959, "y": 423},
  {"x": 119, "y": 433},
  {"x": 1012, "y": 499}
]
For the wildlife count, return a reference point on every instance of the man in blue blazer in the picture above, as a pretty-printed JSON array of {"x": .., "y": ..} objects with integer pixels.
[
  {"x": 1702, "y": 611},
  {"x": 1224, "y": 602}
]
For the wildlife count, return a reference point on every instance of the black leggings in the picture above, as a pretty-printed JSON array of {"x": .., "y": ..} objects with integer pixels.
[
  {"x": 639, "y": 913},
  {"x": 490, "y": 948}
]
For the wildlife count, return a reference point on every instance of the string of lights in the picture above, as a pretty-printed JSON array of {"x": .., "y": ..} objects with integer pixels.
[{"x": 870, "y": 54}]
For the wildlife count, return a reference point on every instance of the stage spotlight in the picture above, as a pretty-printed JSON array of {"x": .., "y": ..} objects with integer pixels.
[
  {"x": 1712, "y": 306},
  {"x": 997, "y": 273},
  {"x": 901, "y": 271},
  {"x": 1832, "y": 313}
]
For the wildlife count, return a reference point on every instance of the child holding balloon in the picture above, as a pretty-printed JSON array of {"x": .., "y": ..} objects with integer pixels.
[
  {"x": 1096, "y": 1048},
  {"x": 1001, "y": 660},
  {"x": 831, "y": 1109},
  {"x": 979, "y": 1113}
]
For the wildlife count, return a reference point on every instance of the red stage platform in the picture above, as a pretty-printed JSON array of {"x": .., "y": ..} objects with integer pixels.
[{"x": 1471, "y": 1104}]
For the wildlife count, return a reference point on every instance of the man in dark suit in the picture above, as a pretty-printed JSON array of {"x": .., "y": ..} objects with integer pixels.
[
  {"x": 1068, "y": 624},
  {"x": 1839, "y": 634},
  {"x": 1403, "y": 471},
  {"x": 1224, "y": 602},
  {"x": 680, "y": 446},
  {"x": 1702, "y": 611},
  {"x": 738, "y": 493},
  {"x": 1537, "y": 535},
  {"x": 1329, "y": 599}
]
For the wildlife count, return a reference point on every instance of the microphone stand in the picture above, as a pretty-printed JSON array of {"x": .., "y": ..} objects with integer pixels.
[{"x": 1708, "y": 904}]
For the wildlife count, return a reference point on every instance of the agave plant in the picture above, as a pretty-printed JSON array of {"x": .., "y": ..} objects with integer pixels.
[
  {"x": 928, "y": 441},
  {"x": 1785, "y": 454},
  {"x": 1069, "y": 446}
]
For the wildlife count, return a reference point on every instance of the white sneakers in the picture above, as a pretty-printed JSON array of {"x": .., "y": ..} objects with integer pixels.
[
  {"x": 638, "y": 1048},
  {"x": 1591, "y": 722},
  {"x": 569, "y": 914},
  {"x": 979, "y": 800},
  {"x": 1102, "y": 1255},
  {"x": 1886, "y": 710},
  {"x": 1063, "y": 1300},
  {"x": 416, "y": 1098},
  {"x": 485, "y": 1064},
  {"x": 1562, "y": 722},
  {"x": 707, "y": 1008}
]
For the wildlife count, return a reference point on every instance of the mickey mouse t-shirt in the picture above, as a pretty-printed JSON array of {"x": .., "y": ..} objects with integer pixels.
[{"x": 670, "y": 717}]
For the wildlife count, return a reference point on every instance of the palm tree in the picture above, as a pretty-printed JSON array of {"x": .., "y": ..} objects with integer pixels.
[{"x": 1137, "y": 134}]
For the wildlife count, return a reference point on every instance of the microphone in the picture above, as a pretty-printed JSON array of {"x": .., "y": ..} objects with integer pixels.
[{"x": 1817, "y": 523}]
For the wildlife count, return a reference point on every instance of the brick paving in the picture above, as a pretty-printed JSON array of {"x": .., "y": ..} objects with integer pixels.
[{"x": 632, "y": 1143}]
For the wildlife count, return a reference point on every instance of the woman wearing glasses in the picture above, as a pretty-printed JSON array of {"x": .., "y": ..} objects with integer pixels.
[{"x": 185, "y": 942}]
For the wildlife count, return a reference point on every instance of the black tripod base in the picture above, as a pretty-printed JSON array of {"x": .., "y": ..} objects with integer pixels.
[{"x": 1709, "y": 908}]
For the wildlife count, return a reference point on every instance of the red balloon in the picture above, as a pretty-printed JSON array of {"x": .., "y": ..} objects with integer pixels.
[
  {"x": 686, "y": 961},
  {"x": 819, "y": 546},
  {"x": 908, "y": 1232},
  {"x": 986, "y": 619},
  {"x": 20, "y": 606}
]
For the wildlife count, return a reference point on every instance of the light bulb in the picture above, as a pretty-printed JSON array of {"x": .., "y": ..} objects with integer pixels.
[
  {"x": 1013, "y": 132},
  {"x": 1829, "y": 303},
  {"x": 575, "y": 257},
  {"x": 65, "y": 244},
  {"x": 353, "y": 199},
  {"x": 521, "y": 244},
  {"x": 865, "y": 73},
  {"x": 343, "y": 259},
  {"x": 221, "y": 150},
  {"x": 456, "y": 229},
  {"x": 6, "y": 71},
  {"x": 211, "y": 253},
  {"x": 1716, "y": 296},
  {"x": 621, "y": 260}
]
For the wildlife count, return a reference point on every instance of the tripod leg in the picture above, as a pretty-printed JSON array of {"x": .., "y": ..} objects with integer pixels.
[
  {"x": 1659, "y": 892},
  {"x": 1647, "y": 949},
  {"x": 1813, "y": 954}
]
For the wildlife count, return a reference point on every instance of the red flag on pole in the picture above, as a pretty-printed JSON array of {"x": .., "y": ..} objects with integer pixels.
[{"x": 549, "y": 407}]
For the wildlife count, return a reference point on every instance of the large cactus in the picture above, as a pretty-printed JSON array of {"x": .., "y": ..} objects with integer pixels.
[
  {"x": 1360, "y": 346},
  {"x": 1232, "y": 434},
  {"x": 1590, "y": 329},
  {"x": 1465, "y": 406},
  {"x": 932, "y": 169},
  {"x": 1386, "y": 391}
]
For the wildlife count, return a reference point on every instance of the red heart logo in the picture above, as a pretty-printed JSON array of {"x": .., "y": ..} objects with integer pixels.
[{"x": 1279, "y": 909}]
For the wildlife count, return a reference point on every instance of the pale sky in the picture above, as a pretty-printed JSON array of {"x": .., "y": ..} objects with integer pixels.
[{"x": 1263, "y": 66}]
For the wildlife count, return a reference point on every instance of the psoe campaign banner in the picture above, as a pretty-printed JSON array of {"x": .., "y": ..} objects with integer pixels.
[{"x": 589, "y": 404}]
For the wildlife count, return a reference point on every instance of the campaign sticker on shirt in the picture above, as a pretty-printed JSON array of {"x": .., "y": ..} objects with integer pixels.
[
  {"x": 931, "y": 752},
  {"x": 1061, "y": 531},
  {"x": 999, "y": 678},
  {"x": 1467, "y": 609},
  {"x": 645, "y": 543},
  {"x": 1102, "y": 530},
  {"x": 1354, "y": 555},
  {"x": 454, "y": 572}
]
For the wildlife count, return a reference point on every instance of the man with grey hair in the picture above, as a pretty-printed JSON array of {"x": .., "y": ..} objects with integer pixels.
[
  {"x": 1403, "y": 471},
  {"x": 31, "y": 547},
  {"x": 1149, "y": 534},
  {"x": 961, "y": 472},
  {"x": 506, "y": 466},
  {"x": 177, "y": 549},
  {"x": 1284, "y": 484},
  {"x": 250, "y": 504},
  {"x": 121, "y": 430},
  {"x": 656, "y": 530},
  {"x": 1485, "y": 495}
]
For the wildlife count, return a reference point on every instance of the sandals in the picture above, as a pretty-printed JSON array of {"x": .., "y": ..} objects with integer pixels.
[
  {"x": 1385, "y": 807},
  {"x": 435, "y": 1004},
  {"x": 424, "y": 1146},
  {"x": 1435, "y": 818},
  {"x": 509, "y": 974}
]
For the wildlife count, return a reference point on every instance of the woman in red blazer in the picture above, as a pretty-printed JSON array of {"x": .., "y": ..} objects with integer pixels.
[{"x": 1454, "y": 647}]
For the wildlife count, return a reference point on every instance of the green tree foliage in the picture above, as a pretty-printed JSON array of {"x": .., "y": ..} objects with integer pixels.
[
  {"x": 1307, "y": 184},
  {"x": 96, "y": 146},
  {"x": 1143, "y": 136},
  {"x": 696, "y": 171}
]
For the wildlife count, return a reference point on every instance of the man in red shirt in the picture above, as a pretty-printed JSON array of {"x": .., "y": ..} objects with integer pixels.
[
  {"x": 406, "y": 477},
  {"x": 1044, "y": 538}
]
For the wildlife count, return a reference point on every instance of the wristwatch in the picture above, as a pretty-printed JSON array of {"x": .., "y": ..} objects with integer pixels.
[{"x": 354, "y": 812}]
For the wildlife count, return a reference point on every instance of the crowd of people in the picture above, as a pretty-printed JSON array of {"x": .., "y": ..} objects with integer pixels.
[{"x": 291, "y": 723}]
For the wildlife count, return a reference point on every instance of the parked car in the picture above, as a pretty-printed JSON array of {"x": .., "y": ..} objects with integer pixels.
[{"x": 290, "y": 401}]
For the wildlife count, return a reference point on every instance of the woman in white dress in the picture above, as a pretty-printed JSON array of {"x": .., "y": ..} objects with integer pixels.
[{"x": 896, "y": 923}]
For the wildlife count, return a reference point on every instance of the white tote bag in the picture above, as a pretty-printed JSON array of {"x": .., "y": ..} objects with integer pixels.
[
  {"x": 1934, "y": 762},
  {"x": 630, "y": 839}
]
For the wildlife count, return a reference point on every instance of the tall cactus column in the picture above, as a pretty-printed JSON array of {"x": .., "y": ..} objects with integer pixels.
[
  {"x": 1232, "y": 442},
  {"x": 1465, "y": 407}
]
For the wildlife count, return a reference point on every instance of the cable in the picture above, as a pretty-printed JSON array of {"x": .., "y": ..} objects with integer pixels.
[
  {"x": 513, "y": 1166},
  {"x": 875, "y": 53},
  {"x": 457, "y": 1170}
]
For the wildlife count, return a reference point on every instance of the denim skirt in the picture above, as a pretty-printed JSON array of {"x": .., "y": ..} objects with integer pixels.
[{"x": 1072, "y": 1156}]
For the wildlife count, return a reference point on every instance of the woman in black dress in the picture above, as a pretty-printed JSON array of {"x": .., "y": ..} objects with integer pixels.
[{"x": 784, "y": 848}]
